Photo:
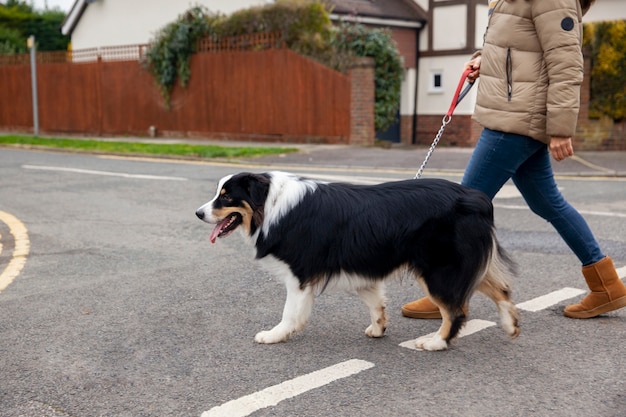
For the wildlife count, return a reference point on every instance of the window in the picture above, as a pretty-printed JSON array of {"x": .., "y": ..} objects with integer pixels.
[{"x": 436, "y": 81}]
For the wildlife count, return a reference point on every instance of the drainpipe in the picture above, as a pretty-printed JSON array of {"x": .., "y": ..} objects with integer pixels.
[{"x": 417, "y": 65}]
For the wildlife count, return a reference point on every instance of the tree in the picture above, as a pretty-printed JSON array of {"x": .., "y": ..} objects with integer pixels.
[{"x": 18, "y": 21}]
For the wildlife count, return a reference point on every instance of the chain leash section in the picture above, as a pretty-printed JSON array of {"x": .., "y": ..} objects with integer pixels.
[
  {"x": 458, "y": 96},
  {"x": 444, "y": 122}
]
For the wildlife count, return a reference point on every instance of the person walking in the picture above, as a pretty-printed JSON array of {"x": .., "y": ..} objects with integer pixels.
[{"x": 531, "y": 69}]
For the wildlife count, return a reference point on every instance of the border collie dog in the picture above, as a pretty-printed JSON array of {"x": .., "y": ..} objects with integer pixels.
[{"x": 318, "y": 235}]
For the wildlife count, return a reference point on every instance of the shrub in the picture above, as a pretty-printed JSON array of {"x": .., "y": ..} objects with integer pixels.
[
  {"x": 169, "y": 54},
  {"x": 304, "y": 25},
  {"x": 11, "y": 41}
]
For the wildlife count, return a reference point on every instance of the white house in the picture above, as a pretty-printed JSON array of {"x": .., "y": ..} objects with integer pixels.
[{"x": 97, "y": 23}]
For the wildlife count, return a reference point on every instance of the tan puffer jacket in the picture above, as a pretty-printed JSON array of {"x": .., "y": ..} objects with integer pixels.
[{"x": 532, "y": 68}]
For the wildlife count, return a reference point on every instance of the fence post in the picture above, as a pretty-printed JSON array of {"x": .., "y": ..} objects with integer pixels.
[
  {"x": 33, "y": 78},
  {"x": 99, "y": 94}
]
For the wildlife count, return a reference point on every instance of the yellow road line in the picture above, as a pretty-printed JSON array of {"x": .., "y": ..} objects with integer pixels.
[{"x": 20, "y": 252}]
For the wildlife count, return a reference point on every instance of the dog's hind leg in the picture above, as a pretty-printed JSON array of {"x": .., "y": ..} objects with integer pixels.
[
  {"x": 452, "y": 321},
  {"x": 374, "y": 297},
  {"x": 508, "y": 312},
  {"x": 495, "y": 285},
  {"x": 296, "y": 312}
]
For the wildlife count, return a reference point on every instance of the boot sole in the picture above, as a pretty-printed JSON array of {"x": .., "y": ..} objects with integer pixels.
[
  {"x": 421, "y": 314},
  {"x": 604, "y": 308}
]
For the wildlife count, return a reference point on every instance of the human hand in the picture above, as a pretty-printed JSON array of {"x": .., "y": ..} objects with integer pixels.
[
  {"x": 473, "y": 65},
  {"x": 561, "y": 148}
]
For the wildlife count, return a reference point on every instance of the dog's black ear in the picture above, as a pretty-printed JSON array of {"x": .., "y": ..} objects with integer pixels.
[{"x": 258, "y": 187}]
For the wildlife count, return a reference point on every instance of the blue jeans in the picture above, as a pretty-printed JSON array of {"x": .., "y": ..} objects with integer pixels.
[{"x": 500, "y": 156}]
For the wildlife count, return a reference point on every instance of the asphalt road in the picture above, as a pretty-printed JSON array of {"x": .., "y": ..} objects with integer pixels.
[{"x": 116, "y": 304}]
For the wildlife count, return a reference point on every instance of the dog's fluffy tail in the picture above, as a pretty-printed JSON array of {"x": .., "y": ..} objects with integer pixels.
[{"x": 502, "y": 269}]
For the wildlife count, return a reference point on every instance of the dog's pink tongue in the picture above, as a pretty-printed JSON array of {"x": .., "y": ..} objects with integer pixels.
[{"x": 218, "y": 228}]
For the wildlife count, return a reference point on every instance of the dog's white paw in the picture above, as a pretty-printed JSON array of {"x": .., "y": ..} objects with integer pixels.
[
  {"x": 374, "y": 331},
  {"x": 431, "y": 342},
  {"x": 270, "y": 336},
  {"x": 509, "y": 318}
]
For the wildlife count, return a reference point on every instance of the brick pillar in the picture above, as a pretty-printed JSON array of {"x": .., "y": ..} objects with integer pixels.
[{"x": 362, "y": 131}]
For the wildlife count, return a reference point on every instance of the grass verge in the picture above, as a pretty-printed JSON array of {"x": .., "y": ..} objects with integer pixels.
[{"x": 143, "y": 148}]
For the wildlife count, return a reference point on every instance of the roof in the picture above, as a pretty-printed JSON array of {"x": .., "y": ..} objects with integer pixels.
[
  {"x": 72, "y": 18},
  {"x": 403, "y": 10}
]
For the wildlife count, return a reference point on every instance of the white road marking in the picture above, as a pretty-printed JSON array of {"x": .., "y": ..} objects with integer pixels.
[
  {"x": 104, "y": 173},
  {"x": 548, "y": 300},
  {"x": 20, "y": 252},
  {"x": 470, "y": 327},
  {"x": 273, "y": 395}
]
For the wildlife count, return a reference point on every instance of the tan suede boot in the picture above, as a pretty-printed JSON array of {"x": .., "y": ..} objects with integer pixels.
[
  {"x": 421, "y": 309},
  {"x": 608, "y": 292},
  {"x": 425, "y": 309}
]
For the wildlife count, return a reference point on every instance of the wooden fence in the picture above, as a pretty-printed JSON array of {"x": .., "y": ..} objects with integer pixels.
[{"x": 268, "y": 94}]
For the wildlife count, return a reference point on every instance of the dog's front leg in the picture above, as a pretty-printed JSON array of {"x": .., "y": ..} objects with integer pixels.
[
  {"x": 296, "y": 312},
  {"x": 374, "y": 298}
]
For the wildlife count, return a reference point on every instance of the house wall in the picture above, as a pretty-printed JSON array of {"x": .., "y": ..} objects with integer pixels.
[
  {"x": 453, "y": 35},
  {"x": 457, "y": 31},
  {"x": 445, "y": 45},
  {"x": 123, "y": 22}
]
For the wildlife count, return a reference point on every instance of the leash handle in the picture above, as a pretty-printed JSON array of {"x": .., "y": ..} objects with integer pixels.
[{"x": 458, "y": 94}]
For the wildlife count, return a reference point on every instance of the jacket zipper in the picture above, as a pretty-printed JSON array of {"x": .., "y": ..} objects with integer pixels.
[{"x": 509, "y": 74}]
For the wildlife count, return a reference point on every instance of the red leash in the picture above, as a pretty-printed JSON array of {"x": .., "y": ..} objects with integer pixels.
[{"x": 459, "y": 95}]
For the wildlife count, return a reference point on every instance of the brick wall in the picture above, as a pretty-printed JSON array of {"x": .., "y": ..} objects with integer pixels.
[{"x": 461, "y": 131}]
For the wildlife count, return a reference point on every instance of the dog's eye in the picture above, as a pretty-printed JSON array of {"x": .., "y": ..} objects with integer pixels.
[{"x": 226, "y": 198}]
